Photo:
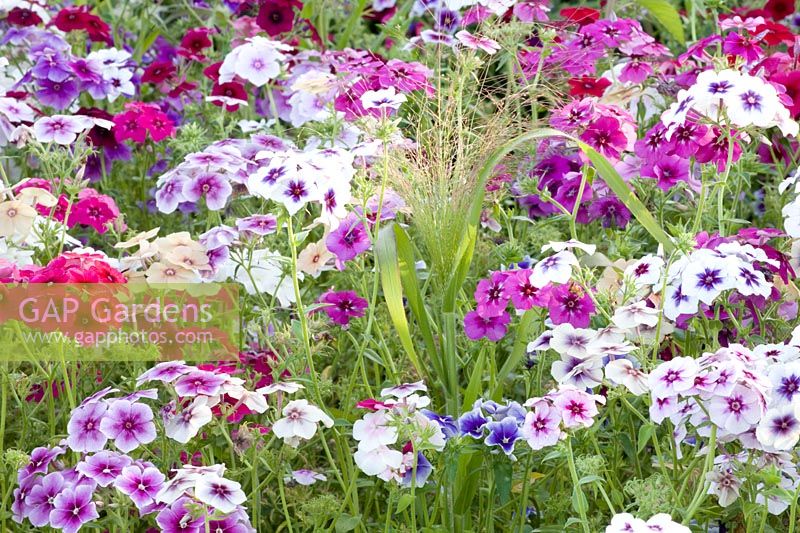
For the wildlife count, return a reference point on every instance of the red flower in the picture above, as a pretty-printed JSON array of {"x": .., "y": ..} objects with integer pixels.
[
  {"x": 158, "y": 72},
  {"x": 779, "y": 9},
  {"x": 790, "y": 80},
  {"x": 229, "y": 90},
  {"x": 78, "y": 18},
  {"x": 194, "y": 42},
  {"x": 775, "y": 34},
  {"x": 212, "y": 71},
  {"x": 20, "y": 16},
  {"x": 580, "y": 15},
  {"x": 277, "y": 16},
  {"x": 588, "y": 86}
]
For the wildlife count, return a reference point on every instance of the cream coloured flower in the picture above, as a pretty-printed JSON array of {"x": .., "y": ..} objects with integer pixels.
[
  {"x": 168, "y": 273},
  {"x": 188, "y": 257},
  {"x": 16, "y": 219},
  {"x": 314, "y": 259},
  {"x": 138, "y": 239}
]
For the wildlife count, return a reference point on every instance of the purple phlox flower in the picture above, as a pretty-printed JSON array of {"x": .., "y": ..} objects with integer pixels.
[
  {"x": 41, "y": 499},
  {"x": 57, "y": 94},
  {"x": 611, "y": 211},
  {"x": 128, "y": 424},
  {"x": 493, "y": 328},
  {"x": 83, "y": 429},
  {"x": 73, "y": 507},
  {"x": 214, "y": 187},
  {"x": 140, "y": 484},
  {"x": 170, "y": 193},
  {"x": 199, "y": 382},
  {"x": 166, "y": 372},
  {"x": 19, "y": 509},
  {"x": 341, "y": 306},
  {"x": 220, "y": 493},
  {"x": 219, "y": 237},
  {"x": 348, "y": 240},
  {"x": 177, "y": 519},
  {"x": 668, "y": 170},
  {"x": 257, "y": 224},
  {"x": 306, "y": 477},
  {"x": 503, "y": 433},
  {"x": 41, "y": 458},
  {"x": 491, "y": 298},
  {"x": 103, "y": 467}
]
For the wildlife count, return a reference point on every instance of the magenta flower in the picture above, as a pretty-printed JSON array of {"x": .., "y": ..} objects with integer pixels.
[
  {"x": 668, "y": 170},
  {"x": 520, "y": 290},
  {"x": 493, "y": 328},
  {"x": 577, "y": 408},
  {"x": 177, "y": 519},
  {"x": 348, "y": 240},
  {"x": 140, "y": 484},
  {"x": 83, "y": 429},
  {"x": 342, "y": 306},
  {"x": 490, "y": 296},
  {"x": 129, "y": 425},
  {"x": 103, "y": 467},
  {"x": 570, "y": 304},
  {"x": 199, "y": 382},
  {"x": 73, "y": 508},
  {"x": 605, "y": 135},
  {"x": 40, "y": 501},
  {"x": 743, "y": 45}
]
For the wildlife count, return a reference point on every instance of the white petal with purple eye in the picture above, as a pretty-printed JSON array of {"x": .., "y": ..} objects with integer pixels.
[{"x": 753, "y": 103}]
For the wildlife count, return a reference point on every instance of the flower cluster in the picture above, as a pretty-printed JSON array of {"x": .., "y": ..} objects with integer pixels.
[{"x": 400, "y": 417}]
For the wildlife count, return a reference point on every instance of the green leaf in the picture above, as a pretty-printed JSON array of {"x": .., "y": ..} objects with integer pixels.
[
  {"x": 666, "y": 15},
  {"x": 502, "y": 480},
  {"x": 579, "y": 503},
  {"x": 626, "y": 195},
  {"x": 386, "y": 255},
  {"x": 523, "y": 332},
  {"x": 645, "y": 432},
  {"x": 345, "y": 523},
  {"x": 590, "y": 479},
  {"x": 404, "y": 501}
]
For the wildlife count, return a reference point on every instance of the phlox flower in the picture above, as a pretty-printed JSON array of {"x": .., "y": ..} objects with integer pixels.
[
  {"x": 504, "y": 434},
  {"x": 63, "y": 129},
  {"x": 342, "y": 306},
  {"x": 493, "y": 327},
  {"x": 306, "y": 477},
  {"x": 372, "y": 431},
  {"x": 737, "y": 411},
  {"x": 257, "y": 225},
  {"x": 541, "y": 426},
  {"x": 41, "y": 500},
  {"x": 779, "y": 429},
  {"x": 634, "y": 315},
  {"x": 299, "y": 421},
  {"x": 724, "y": 485},
  {"x": 83, "y": 429},
  {"x": 712, "y": 88},
  {"x": 40, "y": 460},
  {"x": 474, "y": 42},
  {"x": 199, "y": 382},
  {"x": 185, "y": 425},
  {"x": 404, "y": 390},
  {"x": 383, "y": 100},
  {"x": 570, "y": 304},
  {"x": 491, "y": 298},
  {"x": 556, "y": 268},
  {"x": 577, "y": 408},
  {"x": 706, "y": 277},
  {"x": 673, "y": 377},
  {"x": 215, "y": 188},
  {"x": 606, "y": 136},
  {"x": 294, "y": 193},
  {"x": 626, "y": 523},
  {"x": 785, "y": 381},
  {"x": 72, "y": 508},
  {"x": 577, "y": 372},
  {"x": 103, "y": 467},
  {"x": 472, "y": 423},
  {"x": 220, "y": 493},
  {"x": 575, "y": 342},
  {"x": 266, "y": 274},
  {"x": 140, "y": 484},
  {"x": 177, "y": 519},
  {"x": 622, "y": 372},
  {"x": 523, "y": 294},
  {"x": 379, "y": 461},
  {"x": 128, "y": 424},
  {"x": 348, "y": 240},
  {"x": 753, "y": 102},
  {"x": 257, "y": 61}
]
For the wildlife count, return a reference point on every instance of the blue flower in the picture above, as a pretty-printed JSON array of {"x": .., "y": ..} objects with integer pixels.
[
  {"x": 424, "y": 470},
  {"x": 504, "y": 434},
  {"x": 446, "y": 422},
  {"x": 472, "y": 423}
]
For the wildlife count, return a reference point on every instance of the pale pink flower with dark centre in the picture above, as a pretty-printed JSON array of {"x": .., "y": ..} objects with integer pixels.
[
  {"x": 576, "y": 407},
  {"x": 736, "y": 412},
  {"x": 129, "y": 425},
  {"x": 541, "y": 426}
]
